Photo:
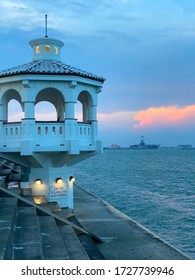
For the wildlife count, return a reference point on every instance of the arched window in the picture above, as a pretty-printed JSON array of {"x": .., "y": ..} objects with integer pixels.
[
  {"x": 86, "y": 101},
  {"x": 47, "y": 49},
  {"x": 56, "y": 50},
  {"x": 15, "y": 113},
  {"x": 49, "y": 105},
  {"x": 45, "y": 111},
  {"x": 38, "y": 49}
]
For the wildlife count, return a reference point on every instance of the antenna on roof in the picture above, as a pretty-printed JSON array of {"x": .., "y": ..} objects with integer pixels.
[{"x": 46, "y": 26}]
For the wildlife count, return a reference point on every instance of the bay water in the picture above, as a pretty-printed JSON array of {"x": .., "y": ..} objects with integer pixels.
[{"x": 154, "y": 187}]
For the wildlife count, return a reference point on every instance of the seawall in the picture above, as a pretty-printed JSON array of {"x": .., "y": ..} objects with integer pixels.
[
  {"x": 123, "y": 237},
  {"x": 44, "y": 231}
]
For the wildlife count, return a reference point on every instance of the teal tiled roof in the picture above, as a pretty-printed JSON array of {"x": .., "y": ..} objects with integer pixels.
[{"x": 48, "y": 67}]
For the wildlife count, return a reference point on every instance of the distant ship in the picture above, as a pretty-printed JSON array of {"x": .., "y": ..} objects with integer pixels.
[{"x": 143, "y": 145}]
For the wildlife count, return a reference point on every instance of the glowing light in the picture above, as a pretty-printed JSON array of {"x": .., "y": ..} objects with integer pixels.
[
  {"x": 47, "y": 48},
  {"x": 71, "y": 179},
  {"x": 59, "y": 180},
  {"x": 38, "y": 182},
  {"x": 38, "y": 49},
  {"x": 56, "y": 50}
]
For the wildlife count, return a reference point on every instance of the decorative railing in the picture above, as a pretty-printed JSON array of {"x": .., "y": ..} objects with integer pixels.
[
  {"x": 12, "y": 129},
  {"x": 46, "y": 133},
  {"x": 84, "y": 130},
  {"x": 49, "y": 133}
]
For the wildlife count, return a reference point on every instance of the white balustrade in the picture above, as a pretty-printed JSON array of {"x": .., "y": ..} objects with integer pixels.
[
  {"x": 49, "y": 133},
  {"x": 84, "y": 130},
  {"x": 46, "y": 134}
]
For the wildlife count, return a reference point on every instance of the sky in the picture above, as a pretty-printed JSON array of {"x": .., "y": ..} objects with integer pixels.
[{"x": 145, "y": 49}]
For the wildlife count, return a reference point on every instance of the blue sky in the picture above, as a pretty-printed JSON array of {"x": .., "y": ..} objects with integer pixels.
[{"x": 144, "y": 48}]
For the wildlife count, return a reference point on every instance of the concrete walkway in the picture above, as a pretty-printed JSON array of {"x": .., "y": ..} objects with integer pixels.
[
  {"x": 123, "y": 237},
  {"x": 77, "y": 235}
]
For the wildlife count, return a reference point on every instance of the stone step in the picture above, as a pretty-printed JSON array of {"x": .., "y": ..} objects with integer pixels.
[
  {"x": 4, "y": 171},
  {"x": 72, "y": 243},
  {"x": 87, "y": 242},
  {"x": 15, "y": 171},
  {"x": 2, "y": 161},
  {"x": 53, "y": 247},
  {"x": 26, "y": 235},
  {"x": 14, "y": 176},
  {"x": 8, "y": 209}
]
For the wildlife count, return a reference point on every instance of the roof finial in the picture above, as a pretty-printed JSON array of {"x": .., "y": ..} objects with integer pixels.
[{"x": 46, "y": 26}]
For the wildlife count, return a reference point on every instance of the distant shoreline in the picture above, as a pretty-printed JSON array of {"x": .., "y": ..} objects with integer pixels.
[{"x": 180, "y": 147}]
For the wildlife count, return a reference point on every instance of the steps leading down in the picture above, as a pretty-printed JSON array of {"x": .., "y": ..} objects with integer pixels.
[
  {"x": 30, "y": 232},
  {"x": 13, "y": 171},
  {"x": 25, "y": 236},
  {"x": 8, "y": 210}
]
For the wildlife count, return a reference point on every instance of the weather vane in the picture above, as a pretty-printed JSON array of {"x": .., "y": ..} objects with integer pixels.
[{"x": 46, "y": 26}]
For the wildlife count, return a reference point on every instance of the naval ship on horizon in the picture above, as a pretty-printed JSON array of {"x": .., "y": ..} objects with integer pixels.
[{"x": 143, "y": 145}]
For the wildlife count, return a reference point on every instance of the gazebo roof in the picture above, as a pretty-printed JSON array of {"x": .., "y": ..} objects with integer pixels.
[{"x": 48, "y": 67}]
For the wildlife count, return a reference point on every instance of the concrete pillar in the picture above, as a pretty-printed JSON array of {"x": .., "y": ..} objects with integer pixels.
[
  {"x": 71, "y": 127},
  {"x": 85, "y": 113},
  {"x": 54, "y": 191},
  {"x": 3, "y": 113},
  {"x": 29, "y": 110},
  {"x": 28, "y": 136},
  {"x": 1, "y": 134},
  {"x": 70, "y": 110},
  {"x": 94, "y": 131},
  {"x": 70, "y": 193},
  {"x": 92, "y": 113}
]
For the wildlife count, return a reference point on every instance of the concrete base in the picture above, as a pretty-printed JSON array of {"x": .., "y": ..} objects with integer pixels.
[{"x": 54, "y": 191}]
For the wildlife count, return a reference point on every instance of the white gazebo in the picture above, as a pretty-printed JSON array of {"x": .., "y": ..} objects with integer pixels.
[{"x": 48, "y": 149}]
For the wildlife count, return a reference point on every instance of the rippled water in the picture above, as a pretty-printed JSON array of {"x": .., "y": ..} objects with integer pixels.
[{"x": 154, "y": 187}]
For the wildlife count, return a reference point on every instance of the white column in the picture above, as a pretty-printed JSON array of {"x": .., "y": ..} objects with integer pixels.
[
  {"x": 28, "y": 129},
  {"x": 3, "y": 118},
  {"x": 93, "y": 113},
  {"x": 69, "y": 110},
  {"x": 3, "y": 113},
  {"x": 70, "y": 195},
  {"x": 85, "y": 113},
  {"x": 29, "y": 110}
]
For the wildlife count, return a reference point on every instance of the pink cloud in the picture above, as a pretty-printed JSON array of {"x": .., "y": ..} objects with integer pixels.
[{"x": 170, "y": 116}]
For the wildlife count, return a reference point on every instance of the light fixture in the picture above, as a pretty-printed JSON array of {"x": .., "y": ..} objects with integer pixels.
[
  {"x": 71, "y": 179},
  {"x": 59, "y": 181},
  {"x": 38, "y": 182}
]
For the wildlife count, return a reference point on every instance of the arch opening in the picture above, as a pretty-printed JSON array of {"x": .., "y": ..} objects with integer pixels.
[
  {"x": 85, "y": 100},
  {"x": 53, "y": 107},
  {"x": 14, "y": 113},
  {"x": 45, "y": 111}
]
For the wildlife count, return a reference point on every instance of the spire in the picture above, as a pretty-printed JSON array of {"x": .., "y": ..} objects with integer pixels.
[{"x": 46, "y": 26}]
